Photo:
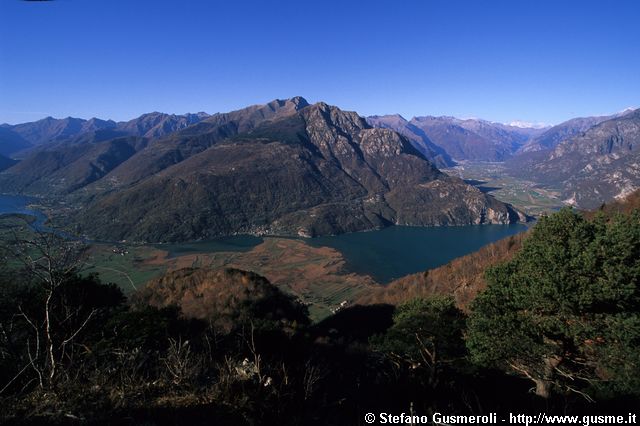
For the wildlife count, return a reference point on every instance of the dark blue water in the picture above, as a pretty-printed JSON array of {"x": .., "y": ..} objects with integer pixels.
[
  {"x": 401, "y": 250},
  {"x": 17, "y": 204},
  {"x": 385, "y": 254}
]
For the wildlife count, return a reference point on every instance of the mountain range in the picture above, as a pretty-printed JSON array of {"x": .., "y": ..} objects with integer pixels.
[
  {"x": 593, "y": 167},
  {"x": 453, "y": 138},
  {"x": 292, "y": 168},
  {"x": 551, "y": 137},
  {"x": 17, "y": 139},
  {"x": 590, "y": 160},
  {"x": 286, "y": 168},
  {"x": 416, "y": 136}
]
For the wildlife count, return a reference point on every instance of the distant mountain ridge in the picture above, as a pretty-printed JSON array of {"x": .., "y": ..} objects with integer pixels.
[
  {"x": 440, "y": 139},
  {"x": 19, "y": 138},
  {"x": 416, "y": 136},
  {"x": 291, "y": 168},
  {"x": 457, "y": 139},
  {"x": 591, "y": 160},
  {"x": 592, "y": 167},
  {"x": 66, "y": 165},
  {"x": 551, "y": 137},
  {"x": 50, "y": 129}
]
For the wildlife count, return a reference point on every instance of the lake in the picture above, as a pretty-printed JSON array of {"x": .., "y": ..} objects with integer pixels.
[
  {"x": 17, "y": 204},
  {"x": 384, "y": 254},
  {"x": 396, "y": 251}
]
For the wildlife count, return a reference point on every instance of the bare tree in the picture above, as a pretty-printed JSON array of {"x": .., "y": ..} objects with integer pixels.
[{"x": 48, "y": 260}]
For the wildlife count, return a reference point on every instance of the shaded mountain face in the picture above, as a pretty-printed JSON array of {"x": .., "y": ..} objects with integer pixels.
[
  {"x": 416, "y": 136},
  {"x": 475, "y": 140},
  {"x": 6, "y": 162},
  {"x": 287, "y": 169},
  {"x": 550, "y": 138},
  {"x": 67, "y": 165},
  {"x": 11, "y": 142},
  {"x": 50, "y": 129},
  {"x": 157, "y": 124},
  {"x": 594, "y": 167},
  {"x": 177, "y": 147}
]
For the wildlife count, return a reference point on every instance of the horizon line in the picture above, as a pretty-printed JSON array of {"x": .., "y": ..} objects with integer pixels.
[{"x": 533, "y": 124}]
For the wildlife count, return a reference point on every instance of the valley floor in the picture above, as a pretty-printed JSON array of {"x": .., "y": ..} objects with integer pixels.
[
  {"x": 316, "y": 275},
  {"x": 530, "y": 197}
]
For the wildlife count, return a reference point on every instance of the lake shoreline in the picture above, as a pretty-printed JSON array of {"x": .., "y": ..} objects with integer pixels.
[{"x": 384, "y": 254}]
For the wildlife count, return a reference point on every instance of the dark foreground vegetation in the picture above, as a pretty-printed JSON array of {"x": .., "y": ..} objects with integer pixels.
[{"x": 557, "y": 330}]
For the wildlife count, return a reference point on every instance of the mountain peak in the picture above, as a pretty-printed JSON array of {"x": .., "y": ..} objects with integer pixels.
[
  {"x": 299, "y": 101},
  {"x": 339, "y": 116},
  {"x": 526, "y": 124},
  {"x": 627, "y": 111},
  {"x": 388, "y": 117},
  {"x": 296, "y": 103}
]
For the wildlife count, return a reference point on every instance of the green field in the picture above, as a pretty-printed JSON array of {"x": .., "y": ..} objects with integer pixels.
[
  {"x": 526, "y": 196},
  {"x": 128, "y": 270}
]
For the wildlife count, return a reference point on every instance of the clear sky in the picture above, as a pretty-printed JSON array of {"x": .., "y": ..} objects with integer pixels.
[{"x": 542, "y": 61}]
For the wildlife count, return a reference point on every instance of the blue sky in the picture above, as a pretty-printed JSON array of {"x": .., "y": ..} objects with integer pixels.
[{"x": 542, "y": 61}]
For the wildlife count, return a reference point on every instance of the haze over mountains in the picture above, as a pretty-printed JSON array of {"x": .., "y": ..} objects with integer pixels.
[
  {"x": 20, "y": 137},
  {"x": 470, "y": 139}
]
